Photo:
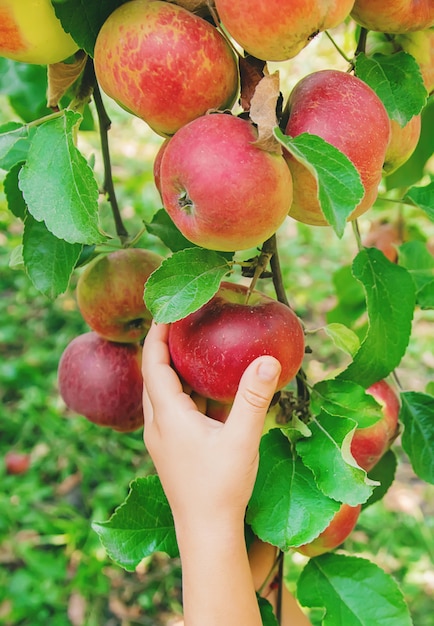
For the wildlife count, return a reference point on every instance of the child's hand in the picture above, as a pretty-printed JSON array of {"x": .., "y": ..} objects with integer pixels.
[{"x": 207, "y": 468}]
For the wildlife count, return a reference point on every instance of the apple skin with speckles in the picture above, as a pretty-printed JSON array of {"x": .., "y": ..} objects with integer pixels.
[
  {"x": 394, "y": 16},
  {"x": 344, "y": 111},
  {"x": 221, "y": 190},
  {"x": 164, "y": 64},
  {"x": 211, "y": 348},
  {"x": 102, "y": 381}
]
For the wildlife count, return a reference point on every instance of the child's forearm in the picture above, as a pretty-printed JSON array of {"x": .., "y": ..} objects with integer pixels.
[{"x": 216, "y": 555}]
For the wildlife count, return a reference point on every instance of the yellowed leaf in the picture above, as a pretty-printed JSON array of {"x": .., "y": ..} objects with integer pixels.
[{"x": 60, "y": 78}]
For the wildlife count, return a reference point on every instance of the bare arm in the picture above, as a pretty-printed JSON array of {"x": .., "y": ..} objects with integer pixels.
[{"x": 207, "y": 470}]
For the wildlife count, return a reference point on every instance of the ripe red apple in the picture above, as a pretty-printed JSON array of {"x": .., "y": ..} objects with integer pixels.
[
  {"x": 371, "y": 441},
  {"x": 157, "y": 165},
  {"x": 16, "y": 462},
  {"x": 164, "y": 64},
  {"x": 110, "y": 294},
  {"x": 211, "y": 348},
  {"x": 277, "y": 30},
  {"x": 221, "y": 191},
  {"x": 336, "y": 532},
  {"x": 394, "y": 16},
  {"x": 102, "y": 381},
  {"x": 345, "y": 112},
  {"x": 31, "y": 33},
  {"x": 403, "y": 142}
]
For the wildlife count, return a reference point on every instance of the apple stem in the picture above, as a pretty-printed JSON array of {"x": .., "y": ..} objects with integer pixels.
[
  {"x": 279, "y": 589},
  {"x": 356, "y": 232},
  {"x": 104, "y": 123},
  {"x": 361, "y": 43},
  {"x": 341, "y": 52}
]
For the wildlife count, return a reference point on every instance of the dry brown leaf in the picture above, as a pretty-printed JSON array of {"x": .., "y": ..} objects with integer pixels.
[
  {"x": 263, "y": 112},
  {"x": 60, "y": 78},
  {"x": 251, "y": 72},
  {"x": 195, "y": 6}
]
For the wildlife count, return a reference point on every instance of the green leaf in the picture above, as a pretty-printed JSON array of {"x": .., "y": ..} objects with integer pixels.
[
  {"x": 329, "y": 447},
  {"x": 183, "y": 283},
  {"x": 267, "y": 614},
  {"x": 354, "y": 592},
  {"x": 351, "y": 303},
  {"x": 26, "y": 86},
  {"x": 397, "y": 81},
  {"x": 84, "y": 22},
  {"x": 49, "y": 261},
  {"x": 13, "y": 193},
  {"x": 416, "y": 258},
  {"x": 390, "y": 297},
  {"x": 422, "y": 197},
  {"x": 417, "y": 416},
  {"x": 383, "y": 473},
  {"x": 286, "y": 508},
  {"x": 141, "y": 525},
  {"x": 343, "y": 337},
  {"x": 14, "y": 144},
  {"x": 339, "y": 186},
  {"x": 164, "y": 228},
  {"x": 346, "y": 399},
  {"x": 58, "y": 185}
]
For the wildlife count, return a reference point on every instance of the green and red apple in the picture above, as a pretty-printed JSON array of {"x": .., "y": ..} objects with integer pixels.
[
  {"x": 336, "y": 532},
  {"x": 403, "y": 142},
  {"x": 102, "y": 381},
  {"x": 220, "y": 189},
  {"x": 394, "y": 16},
  {"x": 31, "y": 33},
  {"x": 16, "y": 462},
  {"x": 372, "y": 439},
  {"x": 164, "y": 64},
  {"x": 110, "y": 294},
  {"x": 347, "y": 113},
  {"x": 211, "y": 348},
  {"x": 277, "y": 30}
]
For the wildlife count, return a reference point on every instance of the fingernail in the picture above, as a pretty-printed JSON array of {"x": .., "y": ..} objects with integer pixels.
[{"x": 268, "y": 370}]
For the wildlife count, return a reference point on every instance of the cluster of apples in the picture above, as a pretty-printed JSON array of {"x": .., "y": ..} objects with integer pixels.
[{"x": 99, "y": 372}]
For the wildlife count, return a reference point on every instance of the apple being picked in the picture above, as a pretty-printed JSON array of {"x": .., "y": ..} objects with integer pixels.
[
  {"x": 347, "y": 113},
  {"x": 394, "y": 16},
  {"x": 31, "y": 33},
  {"x": 102, "y": 381},
  {"x": 211, "y": 348},
  {"x": 371, "y": 441},
  {"x": 220, "y": 189},
  {"x": 110, "y": 294},
  {"x": 277, "y": 30},
  {"x": 336, "y": 532},
  {"x": 164, "y": 64}
]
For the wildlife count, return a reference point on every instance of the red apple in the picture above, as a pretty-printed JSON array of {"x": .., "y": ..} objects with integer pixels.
[
  {"x": 386, "y": 237},
  {"x": 371, "y": 441},
  {"x": 346, "y": 113},
  {"x": 164, "y": 64},
  {"x": 110, "y": 294},
  {"x": 403, "y": 142},
  {"x": 222, "y": 191},
  {"x": 277, "y": 30},
  {"x": 336, "y": 532},
  {"x": 102, "y": 381},
  {"x": 16, "y": 462},
  {"x": 211, "y": 348},
  {"x": 157, "y": 165},
  {"x": 394, "y": 16},
  {"x": 31, "y": 33}
]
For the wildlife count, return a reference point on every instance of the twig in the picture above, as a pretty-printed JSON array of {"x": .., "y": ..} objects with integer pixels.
[
  {"x": 104, "y": 123},
  {"x": 361, "y": 44}
]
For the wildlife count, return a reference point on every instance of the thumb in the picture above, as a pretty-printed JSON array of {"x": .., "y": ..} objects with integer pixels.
[{"x": 255, "y": 392}]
